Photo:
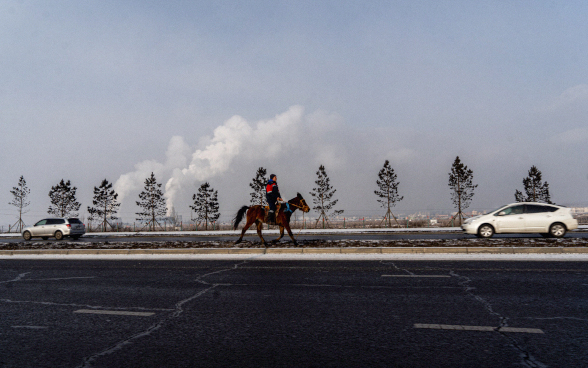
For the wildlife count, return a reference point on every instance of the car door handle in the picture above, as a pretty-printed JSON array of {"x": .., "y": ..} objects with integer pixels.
[{"x": 521, "y": 218}]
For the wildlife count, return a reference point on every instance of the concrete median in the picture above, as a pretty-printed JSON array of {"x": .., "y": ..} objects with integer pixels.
[{"x": 334, "y": 250}]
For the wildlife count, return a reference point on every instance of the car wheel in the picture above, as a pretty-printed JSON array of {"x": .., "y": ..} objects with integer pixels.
[
  {"x": 557, "y": 230},
  {"x": 26, "y": 235},
  {"x": 485, "y": 231},
  {"x": 58, "y": 235}
]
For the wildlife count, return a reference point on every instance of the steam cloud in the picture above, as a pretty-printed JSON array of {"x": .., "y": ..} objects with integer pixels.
[{"x": 236, "y": 138}]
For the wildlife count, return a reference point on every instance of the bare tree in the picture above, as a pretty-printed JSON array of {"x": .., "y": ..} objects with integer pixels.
[
  {"x": 388, "y": 191},
  {"x": 462, "y": 187},
  {"x": 535, "y": 189},
  {"x": 322, "y": 197},
  {"x": 105, "y": 204},
  {"x": 20, "y": 201},
  {"x": 63, "y": 200},
  {"x": 258, "y": 185},
  {"x": 206, "y": 205},
  {"x": 152, "y": 203}
]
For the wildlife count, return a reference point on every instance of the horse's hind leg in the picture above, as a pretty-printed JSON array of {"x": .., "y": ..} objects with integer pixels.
[
  {"x": 281, "y": 234},
  {"x": 247, "y": 225}
]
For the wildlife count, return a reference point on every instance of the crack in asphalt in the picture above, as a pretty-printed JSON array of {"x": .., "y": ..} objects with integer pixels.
[
  {"x": 178, "y": 310},
  {"x": 527, "y": 359},
  {"x": 396, "y": 267},
  {"x": 18, "y": 278}
]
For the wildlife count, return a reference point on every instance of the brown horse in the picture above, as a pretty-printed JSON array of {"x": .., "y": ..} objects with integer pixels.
[{"x": 257, "y": 214}]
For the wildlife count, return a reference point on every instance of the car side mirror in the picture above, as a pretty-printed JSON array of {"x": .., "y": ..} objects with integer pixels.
[{"x": 501, "y": 213}]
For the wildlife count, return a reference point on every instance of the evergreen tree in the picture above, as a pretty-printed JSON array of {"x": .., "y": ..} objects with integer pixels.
[
  {"x": 152, "y": 203},
  {"x": 63, "y": 200},
  {"x": 20, "y": 201},
  {"x": 258, "y": 185},
  {"x": 105, "y": 204},
  {"x": 322, "y": 197},
  {"x": 388, "y": 191},
  {"x": 206, "y": 205},
  {"x": 462, "y": 187},
  {"x": 535, "y": 189}
]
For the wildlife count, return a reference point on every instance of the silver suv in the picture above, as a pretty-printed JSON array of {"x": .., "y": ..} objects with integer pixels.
[{"x": 55, "y": 227}]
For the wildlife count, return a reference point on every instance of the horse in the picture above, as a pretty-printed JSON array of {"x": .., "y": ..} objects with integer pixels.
[{"x": 257, "y": 214}]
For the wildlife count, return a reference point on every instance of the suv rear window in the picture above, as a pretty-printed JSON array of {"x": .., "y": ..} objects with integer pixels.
[
  {"x": 55, "y": 221},
  {"x": 74, "y": 221}
]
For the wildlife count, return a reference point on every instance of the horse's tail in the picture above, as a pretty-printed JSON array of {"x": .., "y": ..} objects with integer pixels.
[{"x": 239, "y": 216}]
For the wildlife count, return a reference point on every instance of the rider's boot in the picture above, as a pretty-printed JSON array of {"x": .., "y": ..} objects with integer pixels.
[{"x": 271, "y": 217}]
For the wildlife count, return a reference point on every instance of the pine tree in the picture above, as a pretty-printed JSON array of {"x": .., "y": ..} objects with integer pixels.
[
  {"x": 388, "y": 191},
  {"x": 535, "y": 189},
  {"x": 20, "y": 201},
  {"x": 105, "y": 204},
  {"x": 152, "y": 203},
  {"x": 63, "y": 200},
  {"x": 206, "y": 205},
  {"x": 322, "y": 197},
  {"x": 462, "y": 187},
  {"x": 258, "y": 185}
]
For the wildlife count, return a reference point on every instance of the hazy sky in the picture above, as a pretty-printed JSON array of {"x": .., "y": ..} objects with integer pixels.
[{"x": 211, "y": 90}]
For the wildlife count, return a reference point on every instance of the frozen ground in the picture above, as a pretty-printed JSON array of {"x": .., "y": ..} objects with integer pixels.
[
  {"x": 408, "y": 243},
  {"x": 275, "y": 231}
]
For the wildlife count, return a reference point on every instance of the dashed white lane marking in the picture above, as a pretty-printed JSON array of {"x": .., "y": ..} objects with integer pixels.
[
  {"x": 120, "y": 313},
  {"x": 477, "y": 328},
  {"x": 416, "y": 276},
  {"x": 31, "y": 327}
]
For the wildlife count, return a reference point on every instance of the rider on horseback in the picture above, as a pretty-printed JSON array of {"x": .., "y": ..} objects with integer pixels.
[{"x": 272, "y": 194}]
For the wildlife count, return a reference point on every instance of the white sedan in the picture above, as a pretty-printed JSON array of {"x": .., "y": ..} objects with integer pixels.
[{"x": 523, "y": 217}]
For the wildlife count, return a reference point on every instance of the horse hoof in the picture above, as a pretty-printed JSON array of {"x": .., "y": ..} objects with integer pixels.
[{"x": 238, "y": 241}]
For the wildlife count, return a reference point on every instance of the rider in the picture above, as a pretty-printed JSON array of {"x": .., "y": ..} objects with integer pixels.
[{"x": 272, "y": 194}]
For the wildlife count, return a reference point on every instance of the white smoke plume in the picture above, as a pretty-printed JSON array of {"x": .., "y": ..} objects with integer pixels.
[{"x": 236, "y": 138}]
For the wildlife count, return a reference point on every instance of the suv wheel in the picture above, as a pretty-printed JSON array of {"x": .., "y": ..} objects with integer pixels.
[
  {"x": 58, "y": 235},
  {"x": 26, "y": 235},
  {"x": 557, "y": 230},
  {"x": 485, "y": 231}
]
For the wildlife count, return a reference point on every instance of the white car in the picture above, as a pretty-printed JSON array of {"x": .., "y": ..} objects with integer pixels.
[
  {"x": 523, "y": 217},
  {"x": 55, "y": 227}
]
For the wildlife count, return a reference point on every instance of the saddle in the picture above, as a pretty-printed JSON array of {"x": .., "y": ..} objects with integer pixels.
[{"x": 266, "y": 217}]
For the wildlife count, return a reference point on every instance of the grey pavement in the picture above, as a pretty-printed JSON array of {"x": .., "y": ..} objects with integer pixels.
[{"x": 255, "y": 312}]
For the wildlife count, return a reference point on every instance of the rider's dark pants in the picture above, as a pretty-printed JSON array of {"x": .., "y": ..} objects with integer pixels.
[{"x": 271, "y": 202}]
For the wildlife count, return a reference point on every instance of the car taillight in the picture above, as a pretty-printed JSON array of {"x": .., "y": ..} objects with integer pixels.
[{"x": 68, "y": 225}]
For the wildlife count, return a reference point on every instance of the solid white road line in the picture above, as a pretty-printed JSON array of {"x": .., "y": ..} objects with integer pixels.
[
  {"x": 120, "y": 313},
  {"x": 416, "y": 276},
  {"x": 477, "y": 328}
]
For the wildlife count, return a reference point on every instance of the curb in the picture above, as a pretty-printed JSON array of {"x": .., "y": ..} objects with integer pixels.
[{"x": 399, "y": 250}]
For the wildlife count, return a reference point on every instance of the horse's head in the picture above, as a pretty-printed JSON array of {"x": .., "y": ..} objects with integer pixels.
[{"x": 302, "y": 203}]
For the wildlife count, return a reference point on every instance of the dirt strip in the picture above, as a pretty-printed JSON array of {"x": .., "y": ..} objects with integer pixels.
[{"x": 490, "y": 243}]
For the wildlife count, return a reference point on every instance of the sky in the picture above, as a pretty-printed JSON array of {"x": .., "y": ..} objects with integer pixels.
[{"x": 209, "y": 91}]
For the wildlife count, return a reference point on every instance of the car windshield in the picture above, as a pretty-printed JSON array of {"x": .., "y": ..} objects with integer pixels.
[{"x": 498, "y": 209}]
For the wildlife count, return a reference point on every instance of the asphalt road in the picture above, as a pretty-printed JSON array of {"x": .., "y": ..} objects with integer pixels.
[
  {"x": 268, "y": 236},
  {"x": 261, "y": 313}
]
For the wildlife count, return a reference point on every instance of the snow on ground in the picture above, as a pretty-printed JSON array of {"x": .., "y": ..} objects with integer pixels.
[
  {"x": 322, "y": 257},
  {"x": 276, "y": 231}
]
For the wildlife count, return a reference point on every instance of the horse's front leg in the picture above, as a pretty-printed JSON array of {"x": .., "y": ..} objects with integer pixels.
[
  {"x": 287, "y": 226},
  {"x": 259, "y": 226}
]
